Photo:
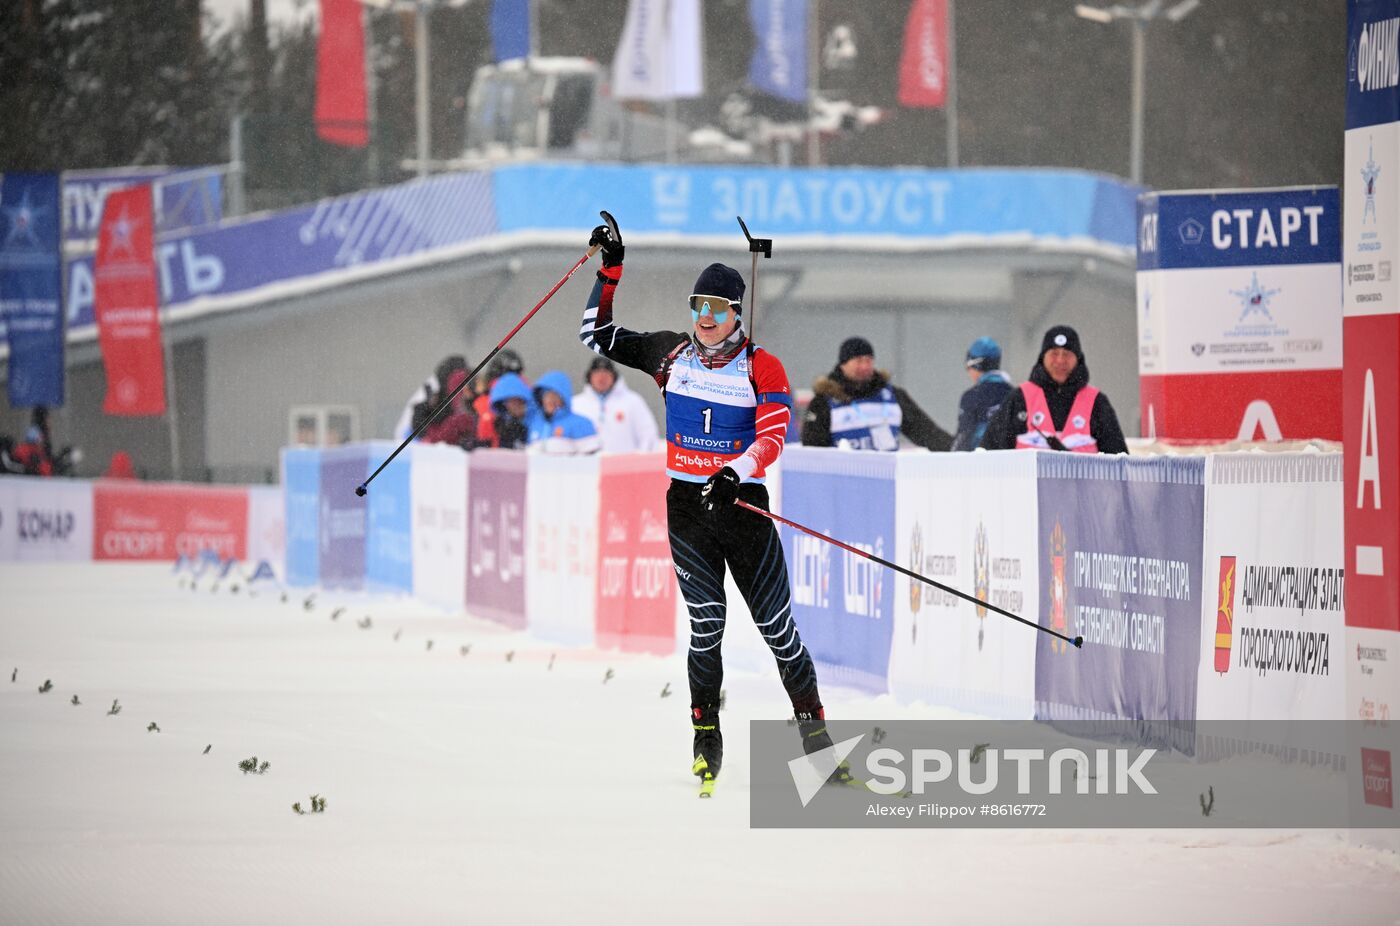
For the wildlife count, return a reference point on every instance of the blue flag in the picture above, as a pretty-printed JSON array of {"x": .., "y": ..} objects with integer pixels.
[
  {"x": 31, "y": 287},
  {"x": 510, "y": 29},
  {"x": 779, "y": 65}
]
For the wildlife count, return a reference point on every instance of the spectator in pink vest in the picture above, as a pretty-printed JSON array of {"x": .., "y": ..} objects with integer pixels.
[{"x": 1057, "y": 409}]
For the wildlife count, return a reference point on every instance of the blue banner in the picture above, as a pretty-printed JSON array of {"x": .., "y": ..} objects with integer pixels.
[
  {"x": 301, "y": 488},
  {"x": 1302, "y": 225},
  {"x": 1373, "y": 62},
  {"x": 779, "y": 63},
  {"x": 1120, "y": 564},
  {"x": 371, "y": 233},
  {"x": 389, "y": 565},
  {"x": 31, "y": 280},
  {"x": 843, "y": 604},
  {"x": 349, "y": 232},
  {"x": 344, "y": 523},
  {"x": 185, "y": 198},
  {"x": 510, "y": 29},
  {"x": 1005, "y": 204}
]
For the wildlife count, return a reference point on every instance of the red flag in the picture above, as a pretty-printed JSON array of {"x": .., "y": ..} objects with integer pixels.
[
  {"x": 341, "y": 107},
  {"x": 127, "y": 305},
  {"x": 923, "y": 68}
]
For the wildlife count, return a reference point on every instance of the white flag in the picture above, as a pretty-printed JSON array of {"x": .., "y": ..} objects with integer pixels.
[{"x": 659, "y": 55}]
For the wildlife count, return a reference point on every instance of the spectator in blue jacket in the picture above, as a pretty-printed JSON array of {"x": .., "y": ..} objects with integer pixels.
[
  {"x": 513, "y": 407},
  {"x": 989, "y": 389},
  {"x": 554, "y": 426}
]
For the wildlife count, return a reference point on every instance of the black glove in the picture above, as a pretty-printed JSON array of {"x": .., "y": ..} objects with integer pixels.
[
  {"x": 609, "y": 239},
  {"x": 721, "y": 490}
]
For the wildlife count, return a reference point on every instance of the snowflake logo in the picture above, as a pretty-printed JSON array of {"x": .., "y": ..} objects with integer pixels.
[
  {"x": 22, "y": 220},
  {"x": 1255, "y": 298}
]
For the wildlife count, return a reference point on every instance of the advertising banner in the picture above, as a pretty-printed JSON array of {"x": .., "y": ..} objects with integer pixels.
[
  {"x": 31, "y": 294},
  {"x": 636, "y": 579},
  {"x": 561, "y": 596},
  {"x": 843, "y": 604},
  {"x": 496, "y": 536},
  {"x": 1272, "y": 611},
  {"x": 1239, "y": 330},
  {"x": 510, "y": 29},
  {"x": 389, "y": 563},
  {"x": 184, "y": 198},
  {"x": 46, "y": 520},
  {"x": 1371, "y": 404},
  {"x": 1020, "y": 205},
  {"x": 267, "y": 529},
  {"x": 9, "y": 523},
  {"x": 344, "y": 517},
  {"x": 1120, "y": 565},
  {"x": 128, "y": 306},
  {"x": 923, "y": 66},
  {"x": 438, "y": 488},
  {"x": 658, "y": 55},
  {"x": 969, "y": 522},
  {"x": 301, "y": 246},
  {"x": 779, "y": 63},
  {"x": 341, "y": 93},
  {"x": 164, "y": 521},
  {"x": 301, "y": 491}
]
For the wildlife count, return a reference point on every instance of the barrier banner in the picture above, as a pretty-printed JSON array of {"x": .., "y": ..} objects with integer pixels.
[
  {"x": 969, "y": 522},
  {"x": 343, "y": 517},
  {"x": 163, "y": 521},
  {"x": 1120, "y": 564},
  {"x": 636, "y": 579},
  {"x": 1272, "y": 610},
  {"x": 46, "y": 519},
  {"x": 389, "y": 553},
  {"x": 301, "y": 490},
  {"x": 9, "y": 523},
  {"x": 562, "y": 536},
  {"x": 1370, "y": 404},
  {"x": 267, "y": 528},
  {"x": 842, "y": 603},
  {"x": 496, "y": 536},
  {"x": 438, "y": 488}
]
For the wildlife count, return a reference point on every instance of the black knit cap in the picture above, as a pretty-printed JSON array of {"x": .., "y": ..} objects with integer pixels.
[
  {"x": 722, "y": 281},
  {"x": 1062, "y": 336},
  {"x": 854, "y": 347}
]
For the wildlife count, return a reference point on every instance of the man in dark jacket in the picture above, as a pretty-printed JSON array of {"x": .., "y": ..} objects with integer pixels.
[
  {"x": 1057, "y": 409},
  {"x": 990, "y": 387},
  {"x": 857, "y": 405}
]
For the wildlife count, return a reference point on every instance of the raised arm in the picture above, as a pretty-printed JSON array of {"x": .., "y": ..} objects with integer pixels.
[{"x": 640, "y": 350}]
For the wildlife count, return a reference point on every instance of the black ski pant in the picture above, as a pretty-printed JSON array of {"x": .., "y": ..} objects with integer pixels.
[{"x": 703, "y": 544}]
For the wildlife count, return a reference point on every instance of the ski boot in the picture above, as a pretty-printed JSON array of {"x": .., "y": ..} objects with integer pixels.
[
  {"x": 709, "y": 746},
  {"x": 812, "y": 726}
]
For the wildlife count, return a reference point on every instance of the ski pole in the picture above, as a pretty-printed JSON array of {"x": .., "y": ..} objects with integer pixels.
[
  {"x": 757, "y": 246},
  {"x": 364, "y": 486},
  {"x": 1074, "y": 641}
]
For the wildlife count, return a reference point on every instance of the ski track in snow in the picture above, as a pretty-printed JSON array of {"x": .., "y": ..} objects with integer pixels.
[{"x": 469, "y": 789}]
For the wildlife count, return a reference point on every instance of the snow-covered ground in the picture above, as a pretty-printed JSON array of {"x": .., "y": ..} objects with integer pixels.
[{"x": 479, "y": 789}]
